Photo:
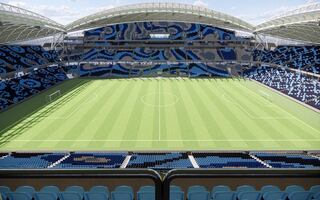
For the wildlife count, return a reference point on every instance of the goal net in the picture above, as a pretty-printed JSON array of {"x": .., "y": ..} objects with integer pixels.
[{"x": 54, "y": 96}]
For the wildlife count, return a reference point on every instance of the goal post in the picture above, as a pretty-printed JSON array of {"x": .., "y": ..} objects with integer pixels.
[{"x": 53, "y": 96}]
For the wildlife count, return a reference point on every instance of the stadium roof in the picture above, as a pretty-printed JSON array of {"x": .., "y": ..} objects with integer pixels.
[
  {"x": 17, "y": 24},
  {"x": 160, "y": 11},
  {"x": 301, "y": 24}
]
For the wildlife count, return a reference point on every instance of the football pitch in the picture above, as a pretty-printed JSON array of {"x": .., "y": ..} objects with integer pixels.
[{"x": 165, "y": 114}]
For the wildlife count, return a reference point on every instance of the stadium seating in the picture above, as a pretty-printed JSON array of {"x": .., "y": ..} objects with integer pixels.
[
  {"x": 160, "y": 161},
  {"x": 305, "y": 58},
  {"x": 143, "y": 30},
  {"x": 286, "y": 160},
  {"x": 299, "y": 86},
  {"x": 93, "y": 160},
  {"x": 29, "y": 160},
  {"x": 226, "y": 160},
  {"x": 16, "y": 58},
  {"x": 17, "y": 89},
  {"x": 195, "y": 192}
]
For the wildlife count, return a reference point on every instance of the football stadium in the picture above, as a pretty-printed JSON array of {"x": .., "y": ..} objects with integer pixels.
[{"x": 157, "y": 101}]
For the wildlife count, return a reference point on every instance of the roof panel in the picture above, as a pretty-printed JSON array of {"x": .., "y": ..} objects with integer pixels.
[
  {"x": 18, "y": 24},
  {"x": 160, "y": 11},
  {"x": 302, "y": 24}
]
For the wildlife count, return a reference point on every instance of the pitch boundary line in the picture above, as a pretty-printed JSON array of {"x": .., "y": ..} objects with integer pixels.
[{"x": 193, "y": 140}]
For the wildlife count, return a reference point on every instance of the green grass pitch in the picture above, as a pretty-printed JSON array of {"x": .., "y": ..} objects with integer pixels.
[{"x": 166, "y": 114}]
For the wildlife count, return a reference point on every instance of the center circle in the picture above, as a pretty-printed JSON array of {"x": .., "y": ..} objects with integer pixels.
[{"x": 166, "y": 99}]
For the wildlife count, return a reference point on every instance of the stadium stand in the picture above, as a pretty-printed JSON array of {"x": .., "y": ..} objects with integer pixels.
[
  {"x": 305, "y": 58},
  {"x": 160, "y": 161},
  {"x": 29, "y": 160},
  {"x": 195, "y": 192},
  {"x": 297, "y": 85},
  {"x": 17, "y": 58},
  {"x": 144, "y": 30},
  {"x": 93, "y": 160},
  {"x": 17, "y": 89},
  {"x": 226, "y": 160},
  {"x": 288, "y": 160}
]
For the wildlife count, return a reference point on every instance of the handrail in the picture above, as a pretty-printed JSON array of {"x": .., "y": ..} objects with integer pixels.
[
  {"x": 236, "y": 173},
  {"x": 88, "y": 173}
]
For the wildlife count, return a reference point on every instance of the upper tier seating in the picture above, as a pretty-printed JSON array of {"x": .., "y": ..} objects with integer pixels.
[
  {"x": 17, "y": 89},
  {"x": 226, "y": 160},
  {"x": 29, "y": 160},
  {"x": 285, "y": 160},
  {"x": 298, "y": 57},
  {"x": 160, "y": 161},
  {"x": 143, "y": 30},
  {"x": 16, "y": 58},
  {"x": 297, "y": 85},
  {"x": 93, "y": 160}
]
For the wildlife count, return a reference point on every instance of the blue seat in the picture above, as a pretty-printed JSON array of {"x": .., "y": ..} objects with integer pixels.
[
  {"x": 275, "y": 195},
  {"x": 4, "y": 191},
  {"x": 245, "y": 188},
  {"x": 76, "y": 189},
  {"x": 219, "y": 188},
  {"x": 100, "y": 189},
  {"x": 197, "y": 188},
  {"x": 96, "y": 196},
  {"x": 316, "y": 195},
  {"x": 315, "y": 189},
  {"x": 176, "y": 195},
  {"x": 146, "y": 195},
  {"x": 294, "y": 188},
  {"x": 146, "y": 192},
  {"x": 26, "y": 189},
  {"x": 249, "y": 196},
  {"x": 117, "y": 195},
  {"x": 70, "y": 196},
  {"x": 45, "y": 196},
  {"x": 300, "y": 196},
  {"x": 200, "y": 195},
  {"x": 51, "y": 188},
  {"x": 269, "y": 188},
  {"x": 19, "y": 196},
  {"x": 175, "y": 188},
  {"x": 124, "y": 188},
  {"x": 225, "y": 195}
]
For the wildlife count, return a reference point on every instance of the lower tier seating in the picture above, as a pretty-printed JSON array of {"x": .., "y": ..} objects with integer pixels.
[
  {"x": 93, "y": 160},
  {"x": 297, "y": 85},
  {"x": 159, "y": 161},
  {"x": 226, "y": 160},
  {"x": 17, "y": 89}
]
